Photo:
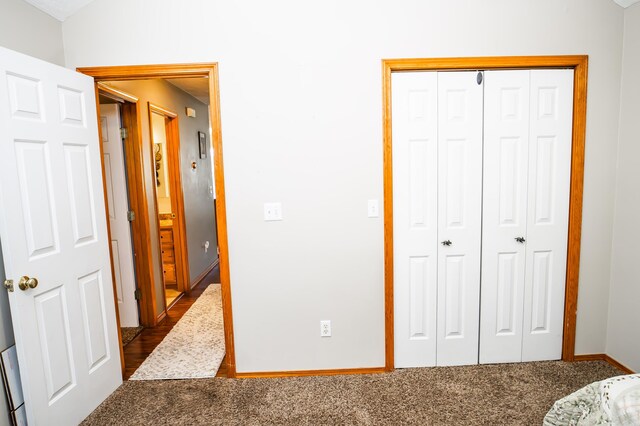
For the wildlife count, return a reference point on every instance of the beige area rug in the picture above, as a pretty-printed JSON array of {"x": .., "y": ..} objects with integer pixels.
[{"x": 194, "y": 348}]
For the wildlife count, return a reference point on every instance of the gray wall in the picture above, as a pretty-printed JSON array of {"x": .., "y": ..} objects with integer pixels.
[
  {"x": 304, "y": 129},
  {"x": 198, "y": 203},
  {"x": 300, "y": 87},
  {"x": 25, "y": 29},
  {"x": 623, "y": 336}
]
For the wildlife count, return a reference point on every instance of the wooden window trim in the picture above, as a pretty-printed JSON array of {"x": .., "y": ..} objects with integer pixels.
[
  {"x": 579, "y": 63},
  {"x": 210, "y": 70}
]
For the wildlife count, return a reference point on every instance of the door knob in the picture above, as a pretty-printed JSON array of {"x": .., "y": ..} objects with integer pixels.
[
  {"x": 26, "y": 283},
  {"x": 446, "y": 243},
  {"x": 8, "y": 284},
  {"x": 520, "y": 240}
]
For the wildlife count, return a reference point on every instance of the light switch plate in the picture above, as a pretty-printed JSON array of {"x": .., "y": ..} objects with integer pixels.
[
  {"x": 272, "y": 211},
  {"x": 373, "y": 208}
]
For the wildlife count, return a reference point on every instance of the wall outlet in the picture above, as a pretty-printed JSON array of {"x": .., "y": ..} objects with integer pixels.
[{"x": 325, "y": 328}]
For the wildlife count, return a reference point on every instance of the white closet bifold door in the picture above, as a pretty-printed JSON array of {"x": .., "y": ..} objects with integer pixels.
[
  {"x": 551, "y": 116},
  {"x": 504, "y": 215},
  {"x": 527, "y": 163},
  {"x": 415, "y": 226},
  {"x": 459, "y": 216}
]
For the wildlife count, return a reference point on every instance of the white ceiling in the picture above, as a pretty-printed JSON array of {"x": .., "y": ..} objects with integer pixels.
[
  {"x": 59, "y": 9},
  {"x": 62, "y": 9},
  {"x": 626, "y": 3},
  {"x": 196, "y": 87}
]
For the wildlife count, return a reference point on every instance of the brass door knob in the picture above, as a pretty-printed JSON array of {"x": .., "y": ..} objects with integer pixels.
[
  {"x": 8, "y": 284},
  {"x": 27, "y": 283}
]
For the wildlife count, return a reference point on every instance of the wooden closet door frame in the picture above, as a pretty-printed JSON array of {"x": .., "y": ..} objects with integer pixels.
[
  {"x": 167, "y": 71},
  {"x": 579, "y": 63}
]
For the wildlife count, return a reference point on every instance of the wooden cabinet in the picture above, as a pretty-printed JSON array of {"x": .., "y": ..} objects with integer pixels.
[{"x": 168, "y": 255}]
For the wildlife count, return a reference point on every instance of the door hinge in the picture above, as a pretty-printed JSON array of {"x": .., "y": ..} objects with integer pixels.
[
  {"x": 137, "y": 294},
  {"x": 131, "y": 215},
  {"x": 123, "y": 133},
  {"x": 479, "y": 77}
]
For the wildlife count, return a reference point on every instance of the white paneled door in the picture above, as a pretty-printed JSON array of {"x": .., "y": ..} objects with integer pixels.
[
  {"x": 53, "y": 232},
  {"x": 459, "y": 216},
  {"x": 551, "y": 116},
  {"x": 437, "y": 171},
  {"x": 481, "y": 178},
  {"x": 118, "y": 206},
  {"x": 415, "y": 219},
  {"x": 527, "y": 163},
  {"x": 504, "y": 219}
]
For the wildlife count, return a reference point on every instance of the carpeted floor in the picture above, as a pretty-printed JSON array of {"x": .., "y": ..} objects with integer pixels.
[
  {"x": 507, "y": 394},
  {"x": 129, "y": 333}
]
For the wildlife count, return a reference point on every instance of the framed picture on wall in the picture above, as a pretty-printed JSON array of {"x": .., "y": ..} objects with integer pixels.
[{"x": 202, "y": 140}]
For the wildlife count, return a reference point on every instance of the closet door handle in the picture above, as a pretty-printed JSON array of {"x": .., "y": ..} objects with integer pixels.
[
  {"x": 446, "y": 243},
  {"x": 520, "y": 240}
]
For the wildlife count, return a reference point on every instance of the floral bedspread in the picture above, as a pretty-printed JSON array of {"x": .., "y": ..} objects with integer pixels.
[{"x": 614, "y": 401}]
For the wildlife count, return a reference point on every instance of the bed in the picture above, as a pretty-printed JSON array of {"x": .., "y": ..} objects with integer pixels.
[{"x": 614, "y": 401}]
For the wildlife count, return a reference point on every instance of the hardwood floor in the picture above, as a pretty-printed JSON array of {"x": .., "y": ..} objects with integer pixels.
[
  {"x": 140, "y": 347},
  {"x": 171, "y": 295}
]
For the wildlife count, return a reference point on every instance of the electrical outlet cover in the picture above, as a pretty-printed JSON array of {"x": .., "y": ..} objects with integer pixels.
[{"x": 325, "y": 328}]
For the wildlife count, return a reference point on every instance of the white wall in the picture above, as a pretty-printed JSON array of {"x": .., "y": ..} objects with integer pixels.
[
  {"x": 25, "y": 29},
  {"x": 301, "y": 124},
  {"x": 623, "y": 336},
  {"x": 18, "y": 20},
  {"x": 198, "y": 203}
]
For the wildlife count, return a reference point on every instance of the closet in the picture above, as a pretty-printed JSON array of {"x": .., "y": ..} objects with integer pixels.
[{"x": 481, "y": 175}]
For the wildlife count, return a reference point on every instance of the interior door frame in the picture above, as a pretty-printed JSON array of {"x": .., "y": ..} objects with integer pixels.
[
  {"x": 579, "y": 63},
  {"x": 166, "y": 71},
  {"x": 172, "y": 131},
  {"x": 129, "y": 119},
  {"x": 140, "y": 234}
]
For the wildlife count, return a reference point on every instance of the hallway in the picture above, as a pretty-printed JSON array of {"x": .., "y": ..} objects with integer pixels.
[{"x": 142, "y": 345}]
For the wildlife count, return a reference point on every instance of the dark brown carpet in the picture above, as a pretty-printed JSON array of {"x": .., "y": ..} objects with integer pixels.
[
  {"x": 508, "y": 394},
  {"x": 129, "y": 333}
]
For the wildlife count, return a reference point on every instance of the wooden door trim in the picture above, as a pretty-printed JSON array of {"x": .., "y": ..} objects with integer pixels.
[
  {"x": 139, "y": 202},
  {"x": 137, "y": 199},
  {"x": 210, "y": 70},
  {"x": 161, "y": 110},
  {"x": 579, "y": 63},
  {"x": 172, "y": 130},
  {"x": 106, "y": 201},
  {"x": 116, "y": 94}
]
